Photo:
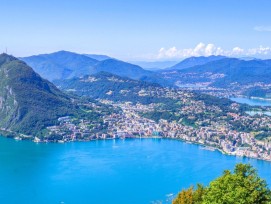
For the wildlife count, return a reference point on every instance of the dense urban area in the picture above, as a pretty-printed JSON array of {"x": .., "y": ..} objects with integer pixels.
[{"x": 217, "y": 124}]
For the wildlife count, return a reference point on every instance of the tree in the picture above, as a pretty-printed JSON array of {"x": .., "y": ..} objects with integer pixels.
[
  {"x": 184, "y": 197},
  {"x": 190, "y": 196},
  {"x": 242, "y": 186}
]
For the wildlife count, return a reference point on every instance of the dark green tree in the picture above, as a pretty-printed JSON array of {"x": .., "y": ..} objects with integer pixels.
[{"x": 242, "y": 186}]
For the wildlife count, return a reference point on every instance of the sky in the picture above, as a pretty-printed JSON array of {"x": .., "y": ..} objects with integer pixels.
[{"x": 149, "y": 30}]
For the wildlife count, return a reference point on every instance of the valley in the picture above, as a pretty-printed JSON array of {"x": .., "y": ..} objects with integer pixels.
[
  {"x": 147, "y": 110},
  {"x": 135, "y": 102},
  {"x": 108, "y": 104}
]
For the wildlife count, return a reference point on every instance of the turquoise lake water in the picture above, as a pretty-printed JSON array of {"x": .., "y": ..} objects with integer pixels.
[
  {"x": 111, "y": 171},
  {"x": 252, "y": 102}
]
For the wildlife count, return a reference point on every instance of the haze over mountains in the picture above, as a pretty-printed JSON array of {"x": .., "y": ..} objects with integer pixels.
[
  {"x": 66, "y": 65},
  {"x": 61, "y": 65},
  {"x": 236, "y": 70},
  {"x": 224, "y": 72},
  {"x": 212, "y": 70}
]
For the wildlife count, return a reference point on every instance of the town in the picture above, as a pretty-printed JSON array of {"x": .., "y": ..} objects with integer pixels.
[{"x": 223, "y": 128}]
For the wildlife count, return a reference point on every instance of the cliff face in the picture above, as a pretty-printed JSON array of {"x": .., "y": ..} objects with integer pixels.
[
  {"x": 28, "y": 103},
  {"x": 9, "y": 111}
]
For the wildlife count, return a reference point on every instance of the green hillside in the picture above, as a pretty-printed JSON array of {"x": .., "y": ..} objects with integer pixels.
[
  {"x": 104, "y": 85},
  {"x": 29, "y": 103}
]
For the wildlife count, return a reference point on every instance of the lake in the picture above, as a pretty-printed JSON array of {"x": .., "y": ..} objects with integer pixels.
[
  {"x": 135, "y": 171},
  {"x": 252, "y": 101}
]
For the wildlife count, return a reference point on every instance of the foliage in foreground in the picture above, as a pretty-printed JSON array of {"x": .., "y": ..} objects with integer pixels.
[{"x": 242, "y": 186}]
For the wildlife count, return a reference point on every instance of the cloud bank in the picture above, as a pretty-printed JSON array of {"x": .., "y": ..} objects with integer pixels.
[{"x": 202, "y": 49}]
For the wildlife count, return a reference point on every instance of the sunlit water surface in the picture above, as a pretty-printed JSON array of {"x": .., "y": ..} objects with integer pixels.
[{"x": 111, "y": 171}]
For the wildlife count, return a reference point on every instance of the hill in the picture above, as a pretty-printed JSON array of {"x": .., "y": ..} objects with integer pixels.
[
  {"x": 28, "y": 103},
  {"x": 110, "y": 86},
  {"x": 131, "y": 71}
]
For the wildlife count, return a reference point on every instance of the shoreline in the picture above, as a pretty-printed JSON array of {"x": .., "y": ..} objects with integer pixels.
[
  {"x": 220, "y": 150},
  {"x": 202, "y": 146},
  {"x": 260, "y": 98},
  {"x": 251, "y": 97}
]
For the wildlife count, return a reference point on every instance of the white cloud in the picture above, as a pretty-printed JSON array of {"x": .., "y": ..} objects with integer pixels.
[
  {"x": 199, "y": 49},
  {"x": 202, "y": 49},
  {"x": 171, "y": 52},
  {"x": 237, "y": 51},
  {"x": 262, "y": 28},
  {"x": 259, "y": 51},
  {"x": 210, "y": 49}
]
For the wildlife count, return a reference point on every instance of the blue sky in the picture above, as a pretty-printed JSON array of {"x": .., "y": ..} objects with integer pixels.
[{"x": 137, "y": 30}]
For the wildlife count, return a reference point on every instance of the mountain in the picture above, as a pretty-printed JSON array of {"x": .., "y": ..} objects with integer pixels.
[
  {"x": 28, "y": 103},
  {"x": 61, "y": 65},
  {"x": 248, "y": 58},
  {"x": 98, "y": 57},
  {"x": 222, "y": 73},
  {"x": 65, "y": 65},
  {"x": 194, "y": 61},
  {"x": 154, "y": 66},
  {"x": 122, "y": 69},
  {"x": 236, "y": 70},
  {"x": 132, "y": 71},
  {"x": 109, "y": 86}
]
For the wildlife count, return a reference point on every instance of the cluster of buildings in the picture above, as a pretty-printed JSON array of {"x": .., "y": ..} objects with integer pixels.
[
  {"x": 211, "y": 127},
  {"x": 216, "y": 136},
  {"x": 232, "y": 90}
]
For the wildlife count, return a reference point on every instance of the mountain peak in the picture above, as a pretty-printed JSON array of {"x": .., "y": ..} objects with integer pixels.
[
  {"x": 4, "y": 57},
  {"x": 64, "y": 52},
  {"x": 61, "y": 64}
]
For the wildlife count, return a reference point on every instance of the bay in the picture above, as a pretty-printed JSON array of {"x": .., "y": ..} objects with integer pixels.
[{"x": 131, "y": 171}]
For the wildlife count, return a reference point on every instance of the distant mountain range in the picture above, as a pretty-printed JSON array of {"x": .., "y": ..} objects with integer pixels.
[
  {"x": 223, "y": 72},
  {"x": 66, "y": 65},
  {"x": 213, "y": 70},
  {"x": 61, "y": 65}
]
